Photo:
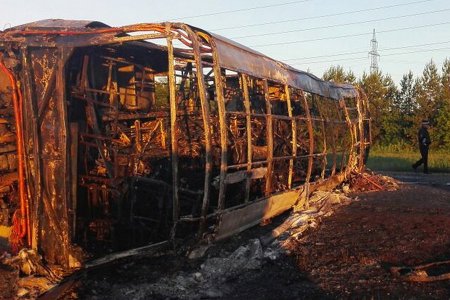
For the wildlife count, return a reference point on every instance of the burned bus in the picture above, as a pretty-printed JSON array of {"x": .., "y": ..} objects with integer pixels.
[{"x": 118, "y": 137}]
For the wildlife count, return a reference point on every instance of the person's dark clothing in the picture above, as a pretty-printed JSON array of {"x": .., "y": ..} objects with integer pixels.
[
  {"x": 423, "y": 160},
  {"x": 424, "y": 143},
  {"x": 424, "y": 137}
]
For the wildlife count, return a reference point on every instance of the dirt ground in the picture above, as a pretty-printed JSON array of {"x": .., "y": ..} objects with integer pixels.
[
  {"x": 350, "y": 254},
  {"x": 347, "y": 256}
]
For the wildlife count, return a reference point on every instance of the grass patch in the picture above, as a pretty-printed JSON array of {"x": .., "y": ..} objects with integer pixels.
[{"x": 401, "y": 161}]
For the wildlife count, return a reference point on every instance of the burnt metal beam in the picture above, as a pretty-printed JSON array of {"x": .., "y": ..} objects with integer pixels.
[
  {"x": 294, "y": 135},
  {"x": 206, "y": 126},
  {"x": 173, "y": 131},
  {"x": 222, "y": 126},
  {"x": 248, "y": 126},
  {"x": 34, "y": 167},
  {"x": 269, "y": 139}
]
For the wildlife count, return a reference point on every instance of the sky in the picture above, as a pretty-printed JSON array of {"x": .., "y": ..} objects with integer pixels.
[{"x": 310, "y": 35}]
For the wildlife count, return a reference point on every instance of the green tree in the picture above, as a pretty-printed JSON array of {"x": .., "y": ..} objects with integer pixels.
[
  {"x": 382, "y": 92},
  {"x": 441, "y": 132},
  {"x": 391, "y": 125},
  {"x": 338, "y": 75},
  {"x": 397, "y": 113},
  {"x": 406, "y": 103},
  {"x": 406, "y": 97},
  {"x": 430, "y": 101},
  {"x": 428, "y": 92}
]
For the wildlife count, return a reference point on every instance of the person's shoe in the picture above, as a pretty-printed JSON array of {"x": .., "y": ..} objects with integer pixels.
[
  {"x": 414, "y": 167},
  {"x": 426, "y": 172}
]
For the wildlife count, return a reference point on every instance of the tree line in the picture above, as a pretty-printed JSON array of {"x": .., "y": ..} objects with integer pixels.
[{"x": 397, "y": 111}]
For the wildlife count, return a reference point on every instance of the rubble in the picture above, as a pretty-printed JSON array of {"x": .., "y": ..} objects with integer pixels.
[
  {"x": 322, "y": 204},
  {"x": 369, "y": 181},
  {"x": 342, "y": 259},
  {"x": 352, "y": 254},
  {"x": 36, "y": 278},
  {"x": 210, "y": 279},
  {"x": 435, "y": 271},
  {"x": 29, "y": 262},
  {"x": 198, "y": 252}
]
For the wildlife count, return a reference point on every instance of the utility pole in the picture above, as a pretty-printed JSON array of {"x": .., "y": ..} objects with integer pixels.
[{"x": 374, "y": 55}]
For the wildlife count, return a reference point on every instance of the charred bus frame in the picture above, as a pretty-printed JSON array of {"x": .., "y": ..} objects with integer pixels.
[{"x": 131, "y": 135}]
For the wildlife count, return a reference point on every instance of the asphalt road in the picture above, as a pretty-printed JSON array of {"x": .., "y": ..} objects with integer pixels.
[{"x": 434, "y": 179}]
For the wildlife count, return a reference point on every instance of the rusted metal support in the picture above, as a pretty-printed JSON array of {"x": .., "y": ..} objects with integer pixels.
[
  {"x": 277, "y": 158},
  {"x": 73, "y": 163},
  {"x": 246, "y": 216},
  {"x": 367, "y": 114},
  {"x": 333, "y": 141},
  {"x": 64, "y": 182},
  {"x": 342, "y": 151},
  {"x": 248, "y": 126},
  {"x": 324, "y": 137},
  {"x": 311, "y": 139},
  {"x": 34, "y": 166},
  {"x": 269, "y": 139},
  {"x": 325, "y": 159},
  {"x": 138, "y": 137},
  {"x": 109, "y": 84},
  {"x": 140, "y": 37},
  {"x": 361, "y": 145},
  {"x": 206, "y": 126},
  {"x": 294, "y": 135},
  {"x": 222, "y": 126},
  {"x": 351, "y": 131},
  {"x": 173, "y": 132},
  {"x": 47, "y": 94},
  {"x": 91, "y": 112},
  {"x": 147, "y": 250}
]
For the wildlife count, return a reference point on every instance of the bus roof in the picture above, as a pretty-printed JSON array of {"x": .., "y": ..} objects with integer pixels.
[{"x": 232, "y": 55}]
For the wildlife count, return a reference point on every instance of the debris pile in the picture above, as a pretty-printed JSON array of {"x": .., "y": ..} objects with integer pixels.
[
  {"x": 321, "y": 205},
  {"x": 214, "y": 277},
  {"x": 207, "y": 281},
  {"x": 211, "y": 279},
  {"x": 434, "y": 271},
  {"x": 36, "y": 276},
  {"x": 369, "y": 181}
]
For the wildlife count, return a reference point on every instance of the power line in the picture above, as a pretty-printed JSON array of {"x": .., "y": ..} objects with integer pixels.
[
  {"x": 349, "y": 35},
  {"x": 417, "y": 51},
  {"x": 361, "y": 58},
  {"x": 311, "y": 40},
  {"x": 329, "y": 55},
  {"x": 403, "y": 61},
  {"x": 343, "y": 24},
  {"x": 323, "y": 16},
  {"x": 360, "y": 52},
  {"x": 242, "y": 9},
  {"x": 332, "y": 60}
]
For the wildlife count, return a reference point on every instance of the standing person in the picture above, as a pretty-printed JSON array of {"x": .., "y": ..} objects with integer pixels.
[{"x": 424, "y": 144}]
